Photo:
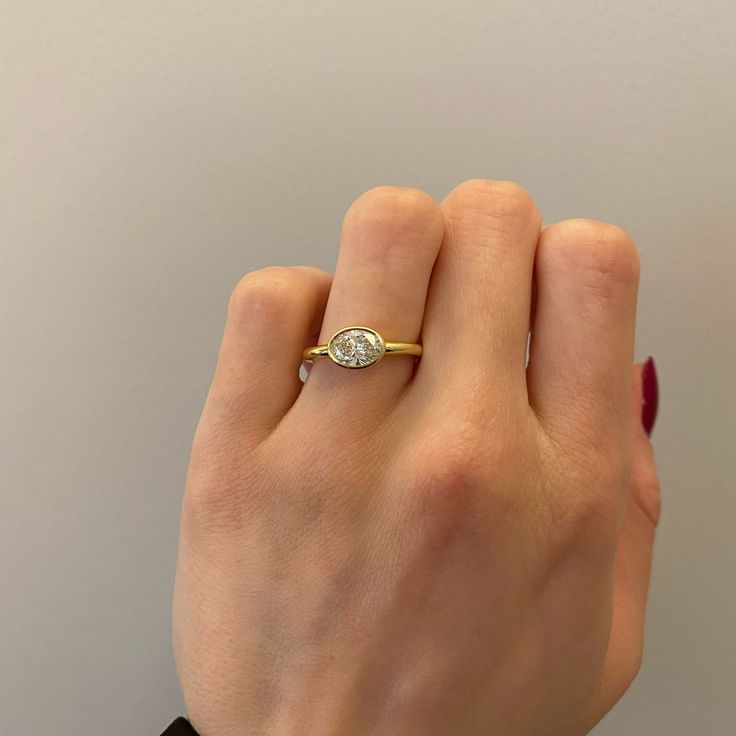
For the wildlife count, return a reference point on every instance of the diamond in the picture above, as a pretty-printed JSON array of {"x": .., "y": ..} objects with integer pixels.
[{"x": 356, "y": 347}]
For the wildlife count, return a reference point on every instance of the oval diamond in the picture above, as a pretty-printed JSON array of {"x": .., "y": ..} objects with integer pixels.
[{"x": 356, "y": 347}]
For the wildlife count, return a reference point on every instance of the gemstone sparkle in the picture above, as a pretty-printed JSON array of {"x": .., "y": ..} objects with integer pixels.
[{"x": 356, "y": 347}]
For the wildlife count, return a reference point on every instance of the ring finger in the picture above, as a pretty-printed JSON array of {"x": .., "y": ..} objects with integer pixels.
[{"x": 389, "y": 243}]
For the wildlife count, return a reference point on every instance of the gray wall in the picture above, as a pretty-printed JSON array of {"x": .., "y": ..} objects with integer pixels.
[{"x": 152, "y": 152}]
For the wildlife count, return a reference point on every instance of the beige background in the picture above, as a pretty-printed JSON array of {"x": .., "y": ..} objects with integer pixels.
[{"x": 152, "y": 152}]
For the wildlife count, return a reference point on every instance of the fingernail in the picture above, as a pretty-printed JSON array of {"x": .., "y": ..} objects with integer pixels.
[{"x": 650, "y": 395}]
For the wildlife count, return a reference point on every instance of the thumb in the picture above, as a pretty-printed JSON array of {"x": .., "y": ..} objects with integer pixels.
[{"x": 634, "y": 552}]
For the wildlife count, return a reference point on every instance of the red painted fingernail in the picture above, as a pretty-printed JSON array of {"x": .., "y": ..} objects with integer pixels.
[{"x": 649, "y": 395}]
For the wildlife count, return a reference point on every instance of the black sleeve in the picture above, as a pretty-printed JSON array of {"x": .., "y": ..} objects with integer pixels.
[{"x": 180, "y": 727}]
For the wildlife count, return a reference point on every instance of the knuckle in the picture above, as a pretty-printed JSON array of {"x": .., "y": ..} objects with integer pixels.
[
  {"x": 604, "y": 251},
  {"x": 583, "y": 526},
  {"x": 452, "y": 472},
  {"x": 219, "y": 495},
  {"x": 445, "y": 467},
  {"x": 212, "y": 500},
  {"x": 441, "y": 494},
  {"x": 584, "y": 522},
  {"x": 388, "y": 219},
  {"x": 212, "y": 506},
  {"x": 272, "y": 290},
  {"x": 497, "y": 205},
  {"x": 583, "y": 500},
  {"x": 451, "y": 492},
  {"x": 466, "y": 463}
]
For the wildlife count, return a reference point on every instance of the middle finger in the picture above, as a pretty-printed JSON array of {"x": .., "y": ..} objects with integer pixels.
[{"x": 477, "y": 318}]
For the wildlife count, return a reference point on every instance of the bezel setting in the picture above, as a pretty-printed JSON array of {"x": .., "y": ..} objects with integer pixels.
[{"x": 356, "y": 347}]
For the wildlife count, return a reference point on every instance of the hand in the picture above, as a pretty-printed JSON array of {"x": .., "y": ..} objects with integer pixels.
[{"x": 450, "y": 546}]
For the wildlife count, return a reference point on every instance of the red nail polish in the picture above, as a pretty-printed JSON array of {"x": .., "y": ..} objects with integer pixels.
[{"x": 650, "y": 395}]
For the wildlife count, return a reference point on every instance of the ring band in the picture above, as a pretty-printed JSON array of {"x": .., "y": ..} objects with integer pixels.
[{"x": 358, "y": 347}]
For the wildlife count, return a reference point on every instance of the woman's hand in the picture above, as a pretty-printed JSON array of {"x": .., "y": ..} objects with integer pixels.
[{"x": 458, "y": 545}]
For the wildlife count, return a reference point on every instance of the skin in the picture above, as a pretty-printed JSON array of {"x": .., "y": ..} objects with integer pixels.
[{"x": 453, "y": 545}]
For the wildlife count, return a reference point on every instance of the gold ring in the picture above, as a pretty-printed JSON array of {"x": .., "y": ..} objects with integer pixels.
[{"x": 358, "y": 347}]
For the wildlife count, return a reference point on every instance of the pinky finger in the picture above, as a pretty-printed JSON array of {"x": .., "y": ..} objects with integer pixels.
[{"x": 272, "y": 315}]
